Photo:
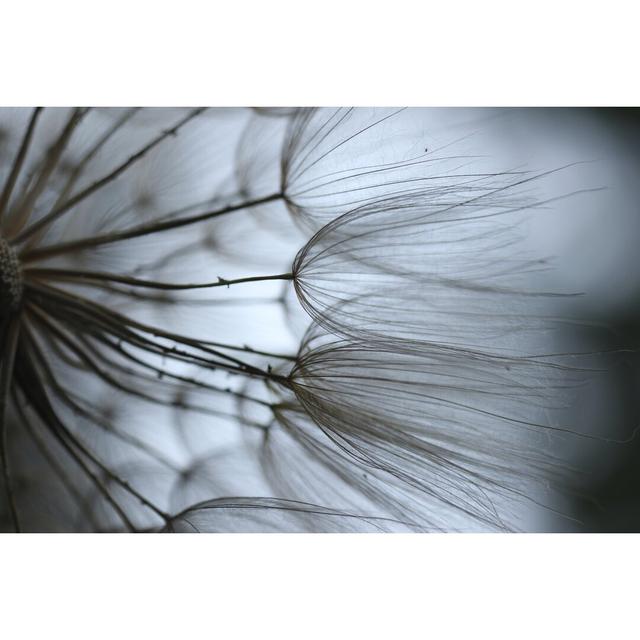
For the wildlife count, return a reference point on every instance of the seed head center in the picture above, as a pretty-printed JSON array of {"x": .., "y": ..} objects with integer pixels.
[{"x": 10, "y": 279}]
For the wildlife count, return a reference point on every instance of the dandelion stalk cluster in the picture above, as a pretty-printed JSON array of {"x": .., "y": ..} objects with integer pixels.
[{"x": 272, "y": 320}]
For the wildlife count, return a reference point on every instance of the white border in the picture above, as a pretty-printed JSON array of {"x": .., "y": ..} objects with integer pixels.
[
  {"x": 293, "y": 52},
  {"x": 319, "y": 586},
  {"x": 296, "y": 53}
]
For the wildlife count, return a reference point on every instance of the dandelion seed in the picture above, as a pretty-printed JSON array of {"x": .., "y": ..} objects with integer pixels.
[
  {"x": 445, "y": 433},
  {"x": 423, "y": 269}
]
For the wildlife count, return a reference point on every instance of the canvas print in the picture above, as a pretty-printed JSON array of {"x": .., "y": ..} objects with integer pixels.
[{"x": 318, "y": 320}]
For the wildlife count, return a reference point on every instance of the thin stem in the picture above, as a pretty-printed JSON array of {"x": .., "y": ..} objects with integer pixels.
[
  {"x": 53, "y": 462},
  {"x": 102, "y": 182},
  {"x": 162, "y": 299},
  {"x": 141, "y": 230},
  {"x": 18, "y": 162},
  {"x": 103, "y": 467},
  {"x": 80, "y": 168},
  {"x": 124, "y": 327},
  {"x": 73, "y": 402},
  {"x": 71, "y": 274},
  {"x": 130, "y": 389},
  {"x": 6, "y": 379},
  {"x": 33, "y": 390},
  {"x": 52, "y": 158}
]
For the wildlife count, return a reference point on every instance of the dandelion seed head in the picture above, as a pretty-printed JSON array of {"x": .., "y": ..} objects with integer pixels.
[{"x": 129, "y": 379}]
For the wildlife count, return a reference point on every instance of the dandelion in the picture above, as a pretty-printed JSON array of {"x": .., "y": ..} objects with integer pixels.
[
  {"x": 72, "y": 333},
  {"x": 403, "y": 409}
]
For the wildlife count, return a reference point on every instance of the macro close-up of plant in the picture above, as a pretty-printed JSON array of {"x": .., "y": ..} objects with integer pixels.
[{"x": 286, "y": 320}]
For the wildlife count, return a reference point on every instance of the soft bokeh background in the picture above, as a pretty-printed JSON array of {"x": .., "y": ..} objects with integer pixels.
[{"x": 593, "y": 240}]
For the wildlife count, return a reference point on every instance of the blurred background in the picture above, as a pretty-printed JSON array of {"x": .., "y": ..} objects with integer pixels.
[
  {"x": 602, "y": 258},
  {"x": 594, "y": 246}
]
